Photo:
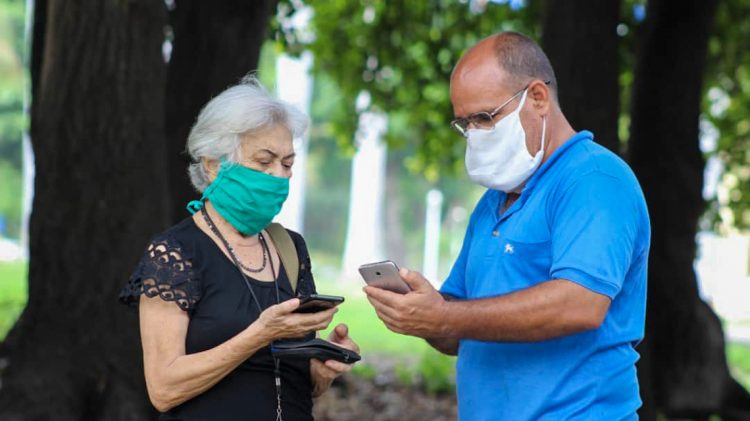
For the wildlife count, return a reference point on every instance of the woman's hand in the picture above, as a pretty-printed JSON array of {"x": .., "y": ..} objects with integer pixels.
[
  {"x": 278, "y": 321},
  {"x": 323, "y": 373}
]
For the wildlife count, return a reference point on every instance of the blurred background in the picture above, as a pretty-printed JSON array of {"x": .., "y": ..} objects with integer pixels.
[{"x": 97, "y": 98}]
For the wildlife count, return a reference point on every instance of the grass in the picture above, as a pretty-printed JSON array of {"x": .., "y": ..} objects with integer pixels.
[
  {"x": 13, "y": 294},
  {"x": 365, "y": 327},
  {"x": 415, "y": 362},
  {"x": 738, "y": 358}
]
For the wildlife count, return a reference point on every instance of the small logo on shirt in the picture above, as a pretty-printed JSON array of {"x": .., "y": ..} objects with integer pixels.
[{"x": 508, "y": 248}]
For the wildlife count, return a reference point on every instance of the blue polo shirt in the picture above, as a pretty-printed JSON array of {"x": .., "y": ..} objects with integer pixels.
[{"x": 581, "y": 217}]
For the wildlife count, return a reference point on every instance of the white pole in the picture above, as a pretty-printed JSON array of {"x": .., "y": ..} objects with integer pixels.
[
  {"x": 430, "y": 263},
  {"x": 27, "y": 151},
  {"x": 295, "y": 85},
  {"x": 364, "y": 234}
]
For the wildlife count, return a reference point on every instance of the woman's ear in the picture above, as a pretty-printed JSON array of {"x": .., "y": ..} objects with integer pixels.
[
  {"x": 540, "y": 96},
  {"x": 211, "y": 166}
]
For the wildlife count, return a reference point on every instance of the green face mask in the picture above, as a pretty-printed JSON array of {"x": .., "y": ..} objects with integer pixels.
[{"x": 248, "y": 199}]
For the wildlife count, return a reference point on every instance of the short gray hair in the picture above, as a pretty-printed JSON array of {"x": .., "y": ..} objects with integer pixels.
[
  {"x": 522, "y": 58},
  {"x": 240, "y": 110}
]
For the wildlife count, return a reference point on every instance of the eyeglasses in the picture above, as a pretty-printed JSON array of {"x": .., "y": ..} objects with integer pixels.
[{"x": 483, "y": 119}]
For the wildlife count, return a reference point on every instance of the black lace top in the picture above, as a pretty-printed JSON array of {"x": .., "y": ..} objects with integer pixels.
[{"x": 185, "y": 266}]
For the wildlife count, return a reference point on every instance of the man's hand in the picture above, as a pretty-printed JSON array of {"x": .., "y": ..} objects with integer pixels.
[
  {"x": 420, "y": 312},
  {"x": 323, "y": 373}
]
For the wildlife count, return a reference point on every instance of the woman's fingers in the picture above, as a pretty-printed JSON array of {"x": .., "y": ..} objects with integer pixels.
[
  {"x": 296, "y": 324},
  {"x": 348, "y": 343},
  {"x": 340, "y": 336},
  {"x": 339, "y": 333},
  {"x": 281, "y": 319},
  {"x": 331, "y": 368},
  {"x": 321, "y": 318},
  {"x": 338, "y": 367},
  {"x": 287, "y": 306}
]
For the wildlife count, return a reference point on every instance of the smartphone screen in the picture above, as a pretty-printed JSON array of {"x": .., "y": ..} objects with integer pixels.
[{"x": 384, "y": 275}]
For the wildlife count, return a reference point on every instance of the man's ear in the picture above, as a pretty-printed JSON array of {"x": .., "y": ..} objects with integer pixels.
[
  {"x": 540, "y": 96},
  {"x": 211, "y": 166}
]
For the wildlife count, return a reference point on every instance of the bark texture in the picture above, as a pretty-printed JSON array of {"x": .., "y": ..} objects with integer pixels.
[
  {"x": 683, "y": 370},
  {"x": 580, "y": 39},
  {"x": 215, "y": 44},
  {"x": 97, "y": 134}
]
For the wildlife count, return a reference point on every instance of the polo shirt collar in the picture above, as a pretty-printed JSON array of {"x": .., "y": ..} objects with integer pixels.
[
  {"x": 576, "y": 138},
  {"x": 497, "y": 197}
]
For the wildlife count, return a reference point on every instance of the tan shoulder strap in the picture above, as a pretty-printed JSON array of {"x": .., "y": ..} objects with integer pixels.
[{"x": 287, "y": 251}]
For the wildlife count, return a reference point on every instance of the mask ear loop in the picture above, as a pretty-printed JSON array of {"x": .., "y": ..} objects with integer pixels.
[
  {"x": 523, "y": 101},
  {"x": 544, "y": 132},
  {"x": 195, "y": 205}
]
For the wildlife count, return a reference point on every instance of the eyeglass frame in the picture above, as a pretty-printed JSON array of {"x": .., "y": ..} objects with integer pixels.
[{"x": 455, "y": 124}]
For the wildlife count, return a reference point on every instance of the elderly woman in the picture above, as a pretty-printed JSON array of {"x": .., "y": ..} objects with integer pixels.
[{"x": 213, "y": 292}]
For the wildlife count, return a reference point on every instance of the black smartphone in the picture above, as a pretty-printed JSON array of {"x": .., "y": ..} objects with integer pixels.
[{"x": 314, "y": 303}]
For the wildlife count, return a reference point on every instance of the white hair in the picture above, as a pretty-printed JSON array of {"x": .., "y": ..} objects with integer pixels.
[{"x": 242, "y": 109}]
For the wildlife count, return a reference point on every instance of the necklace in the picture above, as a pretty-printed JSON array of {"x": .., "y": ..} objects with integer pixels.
[
  {"x": 230, "y": 249},
  {"x": 240, "y": 266}
]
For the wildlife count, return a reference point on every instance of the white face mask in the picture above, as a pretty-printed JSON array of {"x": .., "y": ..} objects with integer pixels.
[{"x": 497, "y": 158}]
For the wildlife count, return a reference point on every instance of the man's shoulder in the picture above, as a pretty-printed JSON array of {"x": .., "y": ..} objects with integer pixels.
[{"x": 589, "y": 160}]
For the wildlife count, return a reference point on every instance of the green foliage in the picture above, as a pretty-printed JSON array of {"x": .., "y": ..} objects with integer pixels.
[
  {"x": 402, "y": 53},
  {"x": 364, "y": 371},
  {"x": 738, "y": 357},
  {"x": 404, "y": 374},
  {"x": 364, "y": 326},
  {"x": 727, "y": 105},
  {"x": 629, "y": 24},
  {"x": 418, "y": 364},
  {"x": 267, "y": 66},
  {"x": 328, "y": 183},
  {"x": 10, "y": 196},
  {"x": 328, "y": 174},
  {"x": 13, "y": 294},
  {"x": 12, "y": 118},
  {"x": 438, "y": 372}
]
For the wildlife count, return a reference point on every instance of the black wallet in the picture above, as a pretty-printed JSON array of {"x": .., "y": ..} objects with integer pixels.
[{"x": 314, "y": 348}]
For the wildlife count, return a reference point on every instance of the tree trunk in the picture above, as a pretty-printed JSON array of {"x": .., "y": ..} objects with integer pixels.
[
  {"x": 683, "y": 371},
  {"x": 37, "y": 43},
  {"x": 215, "y": 44},
  {"x": 580, "y": 39},
  {"x": 97, "y": 133}
]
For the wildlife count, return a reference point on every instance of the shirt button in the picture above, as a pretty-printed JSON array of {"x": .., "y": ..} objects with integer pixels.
[{"x": 495, "y": 233}]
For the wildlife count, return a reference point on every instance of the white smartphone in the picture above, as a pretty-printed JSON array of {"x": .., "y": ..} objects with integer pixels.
[{"x": 384, "y": 275}]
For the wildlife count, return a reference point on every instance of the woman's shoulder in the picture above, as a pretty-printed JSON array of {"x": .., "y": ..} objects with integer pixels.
[
  {"x": 297, "y": 238},
  {"x": 300, "y": 245},
  {"x": 184, "y": 231},
  {"x": 184, "y": 237},
  {"x": 166, "y": 268}
]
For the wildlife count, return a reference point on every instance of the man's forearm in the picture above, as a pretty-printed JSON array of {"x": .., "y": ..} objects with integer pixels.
[
  {"x": 446, "y": 345},
  {"x": 548, "y": 310}
]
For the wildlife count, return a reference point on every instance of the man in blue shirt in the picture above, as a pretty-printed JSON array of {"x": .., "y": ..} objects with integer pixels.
[{"x": 546, "y": 302}]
